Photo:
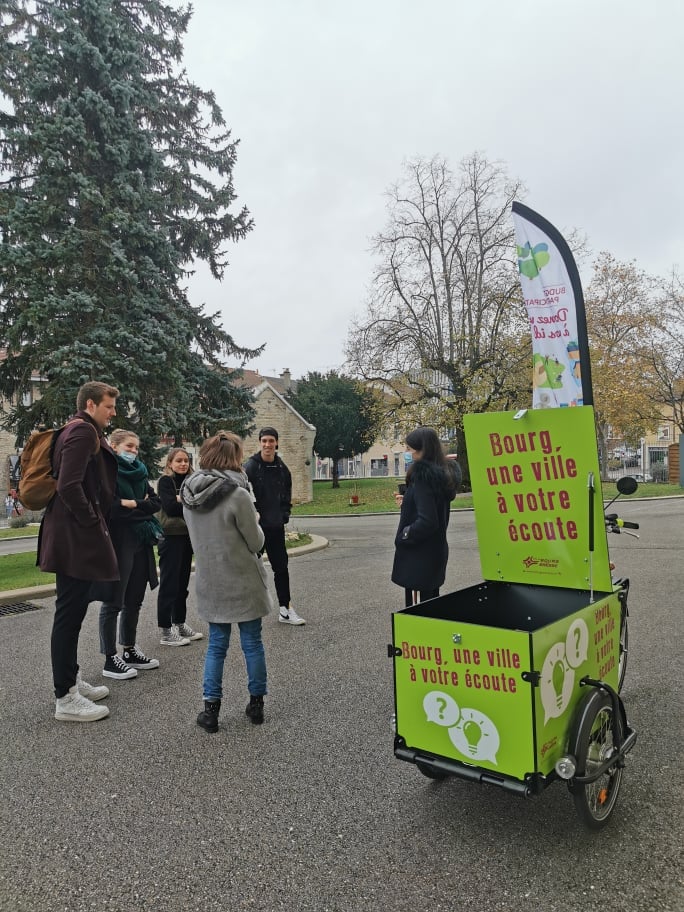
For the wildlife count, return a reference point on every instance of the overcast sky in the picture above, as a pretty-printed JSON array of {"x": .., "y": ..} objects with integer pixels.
[{"x": 582, "y": 99}]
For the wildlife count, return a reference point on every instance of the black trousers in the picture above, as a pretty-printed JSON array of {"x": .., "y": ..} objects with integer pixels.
[
  {"x": 423, "y": 596},
  {"x": 73, "y": 596},
  {"x": 134, "y": 570},
  {"x": 175, "y": 563},
  {"x": 277, "y": 556}
]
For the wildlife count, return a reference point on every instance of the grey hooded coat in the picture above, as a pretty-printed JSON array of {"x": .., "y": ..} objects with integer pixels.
[{"x": 230, "y": 579}]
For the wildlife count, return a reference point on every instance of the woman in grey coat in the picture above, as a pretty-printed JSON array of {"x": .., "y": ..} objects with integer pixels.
[{"x": 230, "y": 579}]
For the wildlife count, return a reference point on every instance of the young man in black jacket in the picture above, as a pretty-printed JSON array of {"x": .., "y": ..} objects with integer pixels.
[{"x": 272, "y": 485}]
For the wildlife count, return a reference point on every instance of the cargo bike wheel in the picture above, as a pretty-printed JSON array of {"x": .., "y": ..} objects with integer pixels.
[{"x": 593, "y": 743}]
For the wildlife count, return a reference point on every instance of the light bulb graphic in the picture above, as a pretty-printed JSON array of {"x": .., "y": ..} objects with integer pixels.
[
  {"x": 557, "y": 679},
  {"x": 473, "y": 733}
]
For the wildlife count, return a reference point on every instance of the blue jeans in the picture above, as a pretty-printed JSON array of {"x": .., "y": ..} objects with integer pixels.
[{"x": 252, "y": 648}]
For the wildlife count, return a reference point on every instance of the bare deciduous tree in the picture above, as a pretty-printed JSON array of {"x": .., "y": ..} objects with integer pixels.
[
  {"x": 445, "y": 322},
  {"x": 667, "y": 354}
]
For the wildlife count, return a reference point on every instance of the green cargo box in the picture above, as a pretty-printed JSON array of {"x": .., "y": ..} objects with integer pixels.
[{"x": 488, "y": 679}]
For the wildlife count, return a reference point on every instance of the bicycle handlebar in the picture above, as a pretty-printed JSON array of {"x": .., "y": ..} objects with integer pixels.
[{"x": 614, "y": 523}]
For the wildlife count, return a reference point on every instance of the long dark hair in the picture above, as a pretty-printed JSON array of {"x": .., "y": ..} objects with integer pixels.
[{"x": 428, "y": 444}]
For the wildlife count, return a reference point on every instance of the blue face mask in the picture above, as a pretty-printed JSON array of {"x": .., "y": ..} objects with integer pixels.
[
  {"x": 127, "y": 457},
  {"x": 408, "y": 458}
]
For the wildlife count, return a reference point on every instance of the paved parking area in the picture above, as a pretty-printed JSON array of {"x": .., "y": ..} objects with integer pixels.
[{"x": 144, "y": 811}]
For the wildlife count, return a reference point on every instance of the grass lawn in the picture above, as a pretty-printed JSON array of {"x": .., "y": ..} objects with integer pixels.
[
  {"x": 376, "y": 495},
  {"x": 22, "y": 532},
  {"x": 18, "y": 571}
]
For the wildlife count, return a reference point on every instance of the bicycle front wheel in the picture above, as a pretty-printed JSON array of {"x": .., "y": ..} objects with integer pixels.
[{"x": 593, "y": 745}]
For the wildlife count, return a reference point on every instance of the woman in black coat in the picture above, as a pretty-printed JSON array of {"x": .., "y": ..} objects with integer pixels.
[{"x": 421, "y": 550}]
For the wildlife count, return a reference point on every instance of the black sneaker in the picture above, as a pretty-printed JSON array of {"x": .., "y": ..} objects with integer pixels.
[
  {"x": 115, "y": 667},
  {"x": 136, "y": 658}
]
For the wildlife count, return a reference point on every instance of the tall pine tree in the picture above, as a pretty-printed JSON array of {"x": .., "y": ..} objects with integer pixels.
[{"x": 115, "y": 176}]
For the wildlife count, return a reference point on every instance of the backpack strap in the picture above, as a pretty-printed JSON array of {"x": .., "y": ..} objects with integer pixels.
[{"x": 58, "y": 433}]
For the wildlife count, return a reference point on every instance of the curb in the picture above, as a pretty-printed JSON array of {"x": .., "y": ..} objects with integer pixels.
[{"x": 13, "y": 596}]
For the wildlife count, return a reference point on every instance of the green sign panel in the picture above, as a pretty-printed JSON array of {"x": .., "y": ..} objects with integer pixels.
[
  {"x": 586, "y": 644},
  {"x": 530, "y": 474},
  {"x": 460, "y": 693}
]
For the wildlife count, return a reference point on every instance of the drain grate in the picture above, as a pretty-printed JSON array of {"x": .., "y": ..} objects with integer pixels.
[{"x": 19, "y": 608}]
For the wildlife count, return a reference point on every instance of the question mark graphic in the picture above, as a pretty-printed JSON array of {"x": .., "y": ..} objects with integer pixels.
[
  {"x": 442, "y": 703},
  {"x": 578, "y": 638}
]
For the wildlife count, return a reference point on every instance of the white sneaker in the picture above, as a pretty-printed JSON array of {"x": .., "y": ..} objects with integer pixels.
[
  {"x": 90, "y": 691},
  {"x": 171, "y": 638},
  {"x": 185, "y": 631},
  {"x": 290, "y": 616},
  {"x": 73, "y": 707}
]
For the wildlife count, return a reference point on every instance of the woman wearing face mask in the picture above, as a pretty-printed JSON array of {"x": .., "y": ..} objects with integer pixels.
[
  {"x": 421, "y": 550},
  {"x": 134, "y": 531}
]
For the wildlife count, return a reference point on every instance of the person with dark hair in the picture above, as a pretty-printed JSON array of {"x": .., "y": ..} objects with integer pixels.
[
  {"x": 421, "y": 550},
  {"x": 74, "y": 542},
  {"x": 272, "y": 486},
  {"x": 231, "y": 584}
]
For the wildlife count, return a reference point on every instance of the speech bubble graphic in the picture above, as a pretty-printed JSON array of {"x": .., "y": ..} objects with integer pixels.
[
  {"x": 577, "y": 643},
  {"x": 476, "y": 736},
  {"x": 556, "y": 682},
  {"x": 441, "y": 709}
]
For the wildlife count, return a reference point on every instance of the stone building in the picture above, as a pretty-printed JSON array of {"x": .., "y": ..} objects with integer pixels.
[{"x": 295, "y": 434}]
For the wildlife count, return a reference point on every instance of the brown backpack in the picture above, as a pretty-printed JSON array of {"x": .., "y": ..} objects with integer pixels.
[{"x": 37, "y": 481}]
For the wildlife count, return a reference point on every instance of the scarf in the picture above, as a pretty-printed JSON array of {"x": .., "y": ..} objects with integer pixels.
[{"x": 131, "y": 481}]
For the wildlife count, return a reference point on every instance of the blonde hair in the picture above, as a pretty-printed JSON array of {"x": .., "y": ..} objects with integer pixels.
[
  {"x": 170, "y": 456},
  {"x": 119, "y": 435},
  {"x": 222, "y": 451}
]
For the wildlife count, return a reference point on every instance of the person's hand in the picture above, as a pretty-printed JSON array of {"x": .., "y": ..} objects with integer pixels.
[
  {"x": 129, "y": 504},
  {"x": 178, "y": 498}
]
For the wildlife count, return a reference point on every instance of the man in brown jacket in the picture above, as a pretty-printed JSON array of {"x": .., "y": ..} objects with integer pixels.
[{"x": 74, "y": 542}]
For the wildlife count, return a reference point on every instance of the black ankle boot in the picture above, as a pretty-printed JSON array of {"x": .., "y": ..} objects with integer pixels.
[
  {"x": 255, "y": 710},
  {"x": 208, "y": 718}
]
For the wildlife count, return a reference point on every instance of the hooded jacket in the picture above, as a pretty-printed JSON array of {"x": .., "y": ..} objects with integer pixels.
[
  {"x": 230, "y": 578},
  {"x": 421, "y": 550}
]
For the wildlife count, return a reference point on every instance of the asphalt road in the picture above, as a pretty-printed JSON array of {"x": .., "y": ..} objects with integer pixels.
[
  {"x": 144, "y": 811},
  {"x": 17, "y": 546}
]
